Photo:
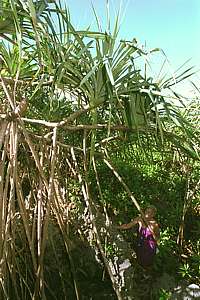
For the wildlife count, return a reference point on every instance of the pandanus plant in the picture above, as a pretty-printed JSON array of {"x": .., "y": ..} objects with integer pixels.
[{"x": 65, "y": 96}]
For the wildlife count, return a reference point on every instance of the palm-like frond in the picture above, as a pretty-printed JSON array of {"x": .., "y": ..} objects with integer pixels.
[{"x": 54, "y": 81}]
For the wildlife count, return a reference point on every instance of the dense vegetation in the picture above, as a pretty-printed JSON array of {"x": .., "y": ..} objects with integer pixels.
[{"x": 87, "y": 140}]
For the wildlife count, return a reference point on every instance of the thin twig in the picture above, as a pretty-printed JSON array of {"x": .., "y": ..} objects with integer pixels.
[
  {"x": 113, "y": 169},
  {"x": 98, "y": 240}
]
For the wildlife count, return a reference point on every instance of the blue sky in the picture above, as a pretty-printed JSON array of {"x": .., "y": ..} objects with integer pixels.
[{"x": 173, "y": 25}]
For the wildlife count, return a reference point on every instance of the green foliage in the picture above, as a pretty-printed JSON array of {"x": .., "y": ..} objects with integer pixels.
[
  {"x": 164, "y": 295},
  {"x": 161, "y": 182},
  {"x": 87, "y": 98}
]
